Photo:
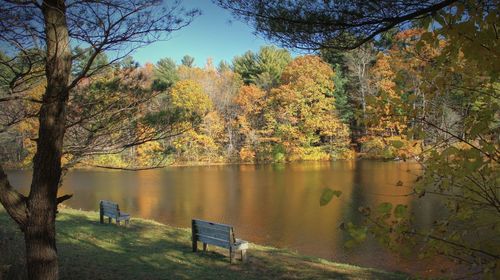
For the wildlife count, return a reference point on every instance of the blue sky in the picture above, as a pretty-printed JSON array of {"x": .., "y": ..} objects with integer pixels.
[{"x": 213, "y": 34}]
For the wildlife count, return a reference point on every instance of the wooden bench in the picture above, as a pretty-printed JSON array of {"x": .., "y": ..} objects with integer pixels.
[
  {"x": 220, "y": 235},
  {"x": 112, "y": 211}
]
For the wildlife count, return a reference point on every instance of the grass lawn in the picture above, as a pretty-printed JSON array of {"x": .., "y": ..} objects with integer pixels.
[{"x": 150, "y": 250}]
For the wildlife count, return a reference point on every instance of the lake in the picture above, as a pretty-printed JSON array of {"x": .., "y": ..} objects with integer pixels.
[{"x": 274, "y": 204}]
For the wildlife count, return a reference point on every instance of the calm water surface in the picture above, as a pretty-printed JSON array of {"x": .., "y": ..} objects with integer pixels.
[{"x": 274, "y": 205}]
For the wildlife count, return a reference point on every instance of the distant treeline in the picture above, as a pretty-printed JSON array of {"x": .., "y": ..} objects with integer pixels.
[{"x": 261, "y": 107}]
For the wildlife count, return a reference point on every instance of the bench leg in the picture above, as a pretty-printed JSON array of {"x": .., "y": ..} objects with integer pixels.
[
  {"x": 126, "y": 223},
  {"x": 193, "y": 237},
  {"x": 231, "y": 256},
  {"x": 244, "y": 255},
  {"x": 195, "y": 244},
  {"x": 117, "y": 222},
  {"x": 109, "y": 220},
  {"x": 205, "y": 247},
  {"x": 101, "y": 216}
]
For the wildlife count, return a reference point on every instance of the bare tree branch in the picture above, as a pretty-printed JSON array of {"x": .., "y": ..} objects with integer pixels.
[
  {"x": 63, "y": 198},
  {"x": 13, "y": 202}
]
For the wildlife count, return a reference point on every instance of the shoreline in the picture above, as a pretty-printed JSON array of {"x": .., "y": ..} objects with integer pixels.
[
  {"x": 210, "y": 164},
  {"x": 152, "y": 249}
]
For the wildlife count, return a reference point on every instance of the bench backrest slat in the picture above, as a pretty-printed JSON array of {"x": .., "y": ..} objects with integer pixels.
[
  {"x": 214, "y": 241},
  {"x": 212, "y": 225},
  {"x": 220, "y": 234}
]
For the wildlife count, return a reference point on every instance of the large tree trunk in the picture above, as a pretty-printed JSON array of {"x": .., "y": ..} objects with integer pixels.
[
  {"x": 40, "y": 233},
  {"x": 35, "y": 214}
]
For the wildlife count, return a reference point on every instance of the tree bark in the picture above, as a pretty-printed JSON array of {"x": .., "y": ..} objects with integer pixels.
[
  {"x": 13, "y": 202},
  {"x": 40, "y": 232}
]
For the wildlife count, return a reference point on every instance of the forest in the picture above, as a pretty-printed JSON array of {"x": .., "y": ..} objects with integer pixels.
[{"x": 265, "y": 106}]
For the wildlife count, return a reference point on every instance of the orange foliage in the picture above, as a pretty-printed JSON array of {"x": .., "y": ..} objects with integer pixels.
[
  {"x": 389, "y": 120},
  {"x": 247, "y": 154}
]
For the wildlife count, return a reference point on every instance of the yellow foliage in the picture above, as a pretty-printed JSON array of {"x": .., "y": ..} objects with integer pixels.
[
  {"x": 247, "y": 154},
  {"x": 148, "y": 153},
  {"x": 302, "y": 113},
  {"x": 387, "y": 118},
  {"x": 308, "y": 154},
  {"x": 309, "y": 74},
  {"x": 390, "y": 147},
  {"x": 194, "y": 146},
  {"x": 250, "y": 99},
  {"x": 189, "y": 95},
  {"x": 108, "y": 160},
  {"x": 213, "y": 126}
]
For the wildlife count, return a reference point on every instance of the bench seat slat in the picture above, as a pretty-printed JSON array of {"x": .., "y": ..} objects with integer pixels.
[
  {"x": 240, "y": 244},
  {"x": 123, "y": 218},
  {"x": 112, "y": 215}
]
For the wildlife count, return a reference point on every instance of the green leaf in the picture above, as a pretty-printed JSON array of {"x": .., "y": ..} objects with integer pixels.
[
  {"x": 400, "y": 211},
  {"x": 327, "y": 195},
  {"x": 384, "y": 208},
  {"x": 397, "y": 144},
  {"x": 358, "y": 233}
]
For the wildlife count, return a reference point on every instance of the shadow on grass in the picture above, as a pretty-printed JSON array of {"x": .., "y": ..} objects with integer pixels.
[{"x": 147, "y": 250}]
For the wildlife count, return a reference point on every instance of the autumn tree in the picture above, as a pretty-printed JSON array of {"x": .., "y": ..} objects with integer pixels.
[
  {"x": 221, "y": 87},
  {"x": 18, "y": 127},
  {"x": 252, "y": 105},
  {"x": 408, "y": 61},
  {"x": 42, "y": 33},
  {"x": 117, "y": 114},
  {"x": 304, "y": 117},
  {"x": 384, "y": 107},
  {"x": 188, "y": 97}
]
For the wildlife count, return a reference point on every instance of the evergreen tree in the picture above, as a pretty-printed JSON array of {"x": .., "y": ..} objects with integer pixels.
[
  {"x": 187, "y": 61},
  {"x": 165, "y": 74}
]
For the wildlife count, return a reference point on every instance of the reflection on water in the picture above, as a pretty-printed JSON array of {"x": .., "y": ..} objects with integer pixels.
[{"x": 276, "y": 205}]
